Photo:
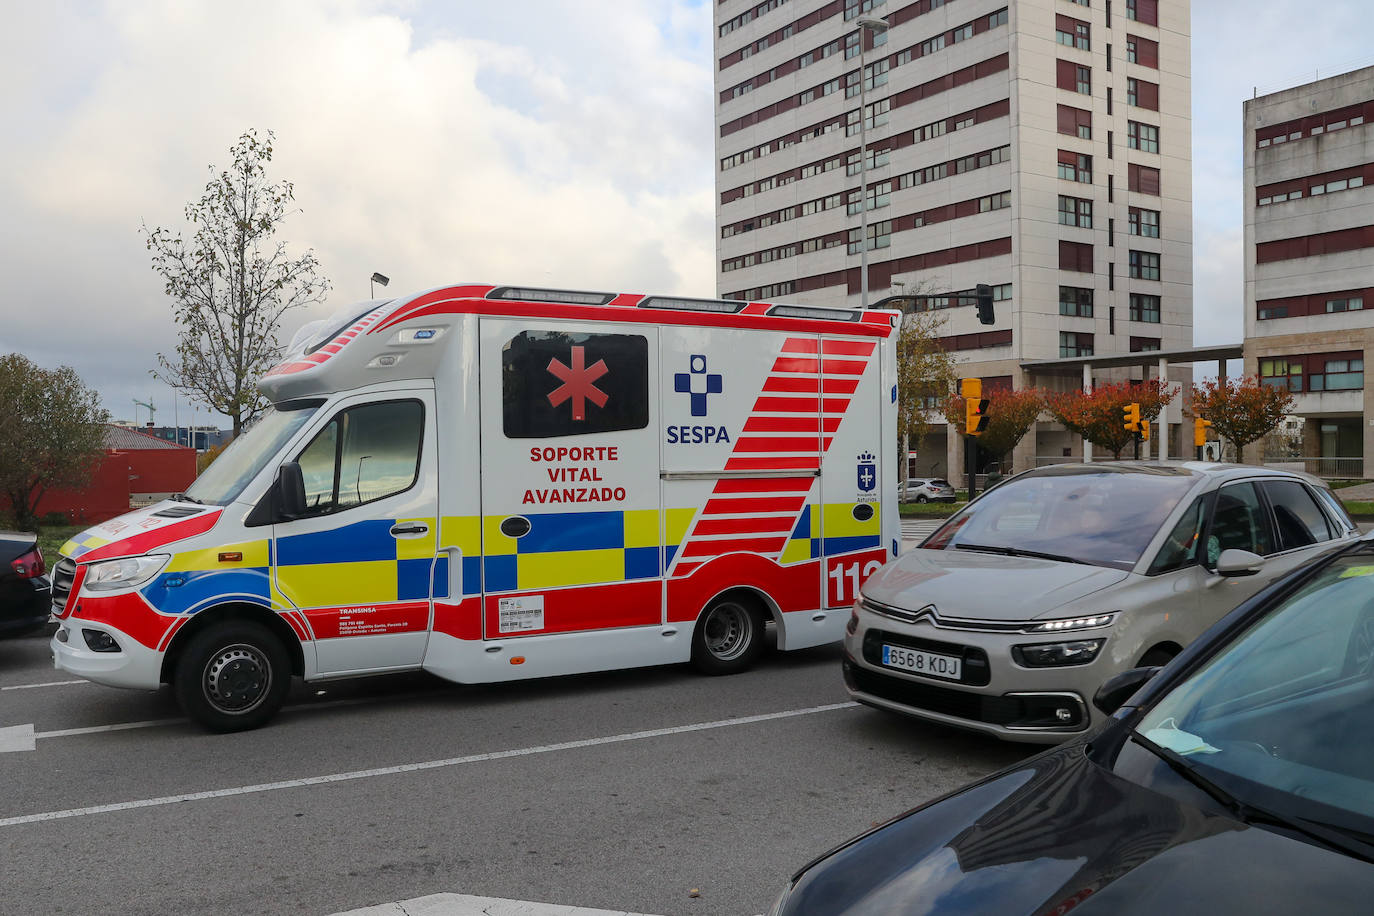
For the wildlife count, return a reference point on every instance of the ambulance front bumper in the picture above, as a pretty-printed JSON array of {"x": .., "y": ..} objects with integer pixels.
[{"x": 128, "y": 665}]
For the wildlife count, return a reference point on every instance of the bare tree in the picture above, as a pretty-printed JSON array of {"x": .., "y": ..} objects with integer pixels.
[{"x": 231, "y": 283}]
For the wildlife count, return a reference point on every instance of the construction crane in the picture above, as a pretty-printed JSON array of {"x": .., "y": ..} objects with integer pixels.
[{"x": 151, "y": 410}]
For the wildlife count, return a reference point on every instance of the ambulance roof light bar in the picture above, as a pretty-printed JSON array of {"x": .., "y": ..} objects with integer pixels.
[
  {"x": 806, "y": 311},
  {"x": 569, "y": 297},
  {"x": 727, "y": 306}
]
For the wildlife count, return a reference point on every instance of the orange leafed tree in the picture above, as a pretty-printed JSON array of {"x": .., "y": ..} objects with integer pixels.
[
  {"x": 1010, "y": 415},
  {"x": 1099, "y": 416},
  {"x": 1241, "y": 410}
]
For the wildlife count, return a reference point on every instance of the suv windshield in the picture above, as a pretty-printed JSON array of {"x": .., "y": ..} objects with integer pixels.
[
  {"x": 1282, "y": 718},
  {"x": 1101, "y": 517},
  {"x": 222, "y": 482}
]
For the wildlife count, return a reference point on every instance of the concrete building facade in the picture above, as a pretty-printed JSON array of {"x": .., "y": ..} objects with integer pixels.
[
  {"x": 1309, "y": 261},
  {"x": 1040, "y": 146}
]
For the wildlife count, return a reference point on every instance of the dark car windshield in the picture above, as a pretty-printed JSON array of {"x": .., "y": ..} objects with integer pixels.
[
  {"x": 1101, "y": 517},
  {"x": 1283, "y": 717}
]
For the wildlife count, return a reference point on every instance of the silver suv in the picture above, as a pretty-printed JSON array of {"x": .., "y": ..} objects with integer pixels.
[{"x": 1009, "y": 617}]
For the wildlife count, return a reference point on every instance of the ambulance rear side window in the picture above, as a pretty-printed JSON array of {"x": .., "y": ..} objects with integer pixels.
[
  {"x": 366, "y": 453},
  {"x": 566, "y": 383}
]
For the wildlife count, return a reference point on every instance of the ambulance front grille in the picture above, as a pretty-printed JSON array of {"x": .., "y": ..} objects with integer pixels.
[{"x": 63, "y": 575}]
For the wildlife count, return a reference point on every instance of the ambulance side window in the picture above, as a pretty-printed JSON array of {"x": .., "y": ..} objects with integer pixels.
[
  {"x": 569, "y": 383},
  {"x": 366, "y": 453}
]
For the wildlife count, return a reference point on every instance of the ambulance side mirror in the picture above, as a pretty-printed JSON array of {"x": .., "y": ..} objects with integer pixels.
[{"x": 289, "y": 492}]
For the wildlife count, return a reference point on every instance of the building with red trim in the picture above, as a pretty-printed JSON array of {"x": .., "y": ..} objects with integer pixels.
[{"x": 136, "y": 469}]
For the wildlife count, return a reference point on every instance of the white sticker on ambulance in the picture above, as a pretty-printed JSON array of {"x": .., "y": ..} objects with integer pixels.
[{"x": 516, "y": 615}]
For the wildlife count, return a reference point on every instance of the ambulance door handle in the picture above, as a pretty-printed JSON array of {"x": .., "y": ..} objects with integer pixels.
[{"x": 403, "y": 530}]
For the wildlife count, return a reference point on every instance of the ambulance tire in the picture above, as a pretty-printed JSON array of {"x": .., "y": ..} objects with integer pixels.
[
  {"x": 728, "y": 637},
  {"x": 233, "y": 676}
]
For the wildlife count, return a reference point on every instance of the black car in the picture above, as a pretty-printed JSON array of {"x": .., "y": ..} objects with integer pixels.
[
  {"x": 25, "y": 592},
  {"x": 1239, "y": 779}
]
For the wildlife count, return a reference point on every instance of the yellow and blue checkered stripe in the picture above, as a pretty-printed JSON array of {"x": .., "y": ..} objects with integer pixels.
[
  {"x": 359, "y": 564},
  {"x": 843, "y": 532}
]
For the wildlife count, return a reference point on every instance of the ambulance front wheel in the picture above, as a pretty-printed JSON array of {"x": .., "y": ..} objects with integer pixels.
[
  {"x": 233, "y": 676},
  {"x": 728, "y": 636}
]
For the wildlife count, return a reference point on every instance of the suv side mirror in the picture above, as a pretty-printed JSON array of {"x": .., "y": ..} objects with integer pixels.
[
  {"x": 1118, "y": 689},
  {"x": 289, "y": 491},
  {"x": 1234, "y": 563}
]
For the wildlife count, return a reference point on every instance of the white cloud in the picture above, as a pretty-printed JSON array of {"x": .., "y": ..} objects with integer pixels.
[{"x": 568, "y": 146}]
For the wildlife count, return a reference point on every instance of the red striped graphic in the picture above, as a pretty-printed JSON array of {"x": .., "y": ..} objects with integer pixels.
[
  {"x": 841, "y": 385},
  {"x": 773, "y": 444},
  {"x": 781, "y": 425},
  {"x": 796, "y": 364},
  {"x": 803, "y": 463},
  {"x": 843, "y": 367},
  {"x": 759, "y": 524},
  {"x": 786, "y": 405},
  {"x": 744, "y": 505},
  {"x": 792, "y": 384},
  {"x": 712, "y": 548},
  {"x": 862, "y": 348},
  {"x": 766, "y": 485},
  {"x": 801, "y": 345}
]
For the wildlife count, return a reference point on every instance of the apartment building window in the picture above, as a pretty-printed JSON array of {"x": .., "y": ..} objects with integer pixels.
[
  {"x": 855, "y": 8},
  {"x": 994, "y": 202},
  {"x": 878, "y": 196},
  {"x": 1142, "y": 51},
  {"x": 879, "y": 236},
  {"x": 1075, "y": 167},
  {"x": 1074, "y": 77},
  {"x": 1142, "y": 93},
  {"x": 1144, "y": 265},
  {"x": 1330, "y": 187},
  {"x": 1337, "y": 375},
  {"x": 1281, "y": 373},
  {"x": 1075, "y": 211},
  {"x": 1072, "y": 33},
  {"x": 1076, "y": 122},
  {"x": 1076, "y": 301},
  {"x": 1071, "y": 343},
  {"x": 1146, "y": 11},
  {"x": 1144, "y": 137},
  {"x": 1144, "y": 344},
  {"x": 997, "y": 18},
  {"x": 1144, "y": 222},
  {"x": 1076, "y": 256},
  {"x": 1144, "y": 308},
  {"x": 1143, "y": 179},
  {"x": 1350, "y": 304}
]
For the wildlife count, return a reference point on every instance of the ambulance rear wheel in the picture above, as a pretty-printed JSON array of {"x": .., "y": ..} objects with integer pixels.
[
  {"x": 728, "y": 637},
  {"x": 233, "y": 676}
]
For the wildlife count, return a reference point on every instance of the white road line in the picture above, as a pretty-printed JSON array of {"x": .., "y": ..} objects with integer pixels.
[
  {"x": 413, "y": 767},
  {"x": 118, "y": 727},
  {"x": 465, "y": 905},
  {"x": 48, "y": 684},
  {"x": 16, "y": 738}
]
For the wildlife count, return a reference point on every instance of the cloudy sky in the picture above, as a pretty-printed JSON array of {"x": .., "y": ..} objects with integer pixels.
[{"x": 562, "y": 142}]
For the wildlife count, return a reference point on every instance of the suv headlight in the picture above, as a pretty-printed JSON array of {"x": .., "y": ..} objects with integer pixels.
[
  {"x": 129, "y": 572},
  {"x": 1057, "y": 654},
  {"x": 1072, "y": 623}
]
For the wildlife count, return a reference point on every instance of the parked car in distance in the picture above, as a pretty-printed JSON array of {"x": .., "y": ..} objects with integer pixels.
[
  {"x": 1240, "y": 779},
  {"x": 1013, "y": 612},
  {"x": 929, "y": 490},
  {"x": 24, "y": 587}
]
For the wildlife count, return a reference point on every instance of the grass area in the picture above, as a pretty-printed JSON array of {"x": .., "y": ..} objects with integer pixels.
[
  {"x": 1342, "y": 484},
  {"x": 52, "y": 537},
  {"x": 929, "y": 510},
  {"x": 1360, "y": 509}
]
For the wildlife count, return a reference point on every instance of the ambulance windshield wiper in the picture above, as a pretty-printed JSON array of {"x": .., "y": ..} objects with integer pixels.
[
  {"x": 183, "y": 498},
  {"x": 1018, "y": 552}
]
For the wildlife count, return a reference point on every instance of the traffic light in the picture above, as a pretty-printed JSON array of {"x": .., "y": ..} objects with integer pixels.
[
  {"x": 975, "y": 405},
  {"x": 1200, "y": 431},
  {"x": 1145, "y": 430},
  {"x": 1132, "y": 414},
  {"x": 984, "y": 293}
]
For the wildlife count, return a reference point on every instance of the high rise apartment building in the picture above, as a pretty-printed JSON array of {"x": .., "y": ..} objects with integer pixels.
[
  {"x": 1040, "y": 146},
  {"x": 1309, "y": 261}
]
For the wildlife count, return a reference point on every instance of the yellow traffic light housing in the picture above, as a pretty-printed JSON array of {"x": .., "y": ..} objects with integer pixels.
[
  {"x": 1200, "y": 431},
  {"x": 1145, "y": 430},
  {"x": 1132, "y": 416},
  {"x": 975, "y": 405}
]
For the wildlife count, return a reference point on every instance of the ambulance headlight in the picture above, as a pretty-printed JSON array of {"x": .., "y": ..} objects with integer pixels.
[{"x": 129, "y": 572}]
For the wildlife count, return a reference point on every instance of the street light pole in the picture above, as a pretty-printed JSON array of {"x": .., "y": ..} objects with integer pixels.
[
  {"x": 376, "y": 278},
  {"x": 866, "y": 24}
]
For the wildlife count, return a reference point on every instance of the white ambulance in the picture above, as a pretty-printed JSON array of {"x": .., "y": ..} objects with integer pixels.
[{"x": 491, "y": 483}]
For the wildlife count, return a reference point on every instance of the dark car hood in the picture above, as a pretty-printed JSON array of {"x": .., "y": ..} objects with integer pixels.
[{"x": 1063, "y": 834}]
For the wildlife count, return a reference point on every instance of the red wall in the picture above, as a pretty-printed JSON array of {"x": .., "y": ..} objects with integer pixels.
[{"x": 122, "y": 474}]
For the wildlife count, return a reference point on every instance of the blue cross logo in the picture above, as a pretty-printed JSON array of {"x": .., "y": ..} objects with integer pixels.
[{"x": 698, "y": 383}]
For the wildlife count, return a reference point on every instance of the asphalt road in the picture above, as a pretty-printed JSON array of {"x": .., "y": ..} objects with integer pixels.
[{"x": 625, "y": 791}]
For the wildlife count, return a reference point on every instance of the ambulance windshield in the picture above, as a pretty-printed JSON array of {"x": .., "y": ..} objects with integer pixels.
[{"x": 222, "y": 482}]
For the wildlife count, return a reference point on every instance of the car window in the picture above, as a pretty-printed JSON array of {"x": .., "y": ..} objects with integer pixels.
[
  {"x": 1333, "y": 505},
  {"x": 365, "y": 453},
  {"x": 1283, "y": 715},
  {"x": 1298, "y": 520},
  {"x": 1180, "y": 548},
  {"x": 1102, "y": 517},
  {"x": 1238, "y": 523}
]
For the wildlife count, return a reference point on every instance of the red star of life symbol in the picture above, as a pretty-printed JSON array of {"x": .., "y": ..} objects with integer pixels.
[{"x": 578, "y": 383}]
